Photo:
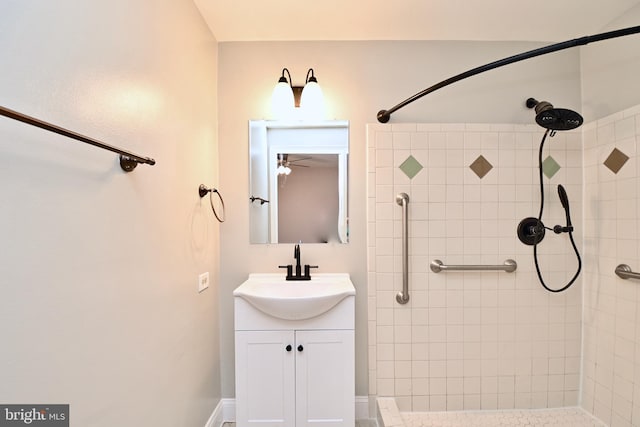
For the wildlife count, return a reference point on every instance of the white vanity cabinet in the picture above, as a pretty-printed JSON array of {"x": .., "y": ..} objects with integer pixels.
[
  {"x": 295, "y": 373},
  {"x": 294, "y": 378}
]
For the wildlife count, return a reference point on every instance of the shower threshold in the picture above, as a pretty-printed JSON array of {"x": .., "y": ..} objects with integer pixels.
[{"x": 390, "y": 416}]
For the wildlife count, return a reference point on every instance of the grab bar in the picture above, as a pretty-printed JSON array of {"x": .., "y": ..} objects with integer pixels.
[
  {"x": 128, "y": 160},
  {"x": 624, "y": 272},
  {"x": 403, "y": 200},
  {"x": 509, "y": 266}
]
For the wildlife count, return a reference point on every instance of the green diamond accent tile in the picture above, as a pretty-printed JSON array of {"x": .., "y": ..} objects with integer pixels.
[
  {"x": 411, "y": 167},
  {"x": 616, "y": 160},
  {"x": 550, "y": 167},
  {"x": 481, "y": 166}
]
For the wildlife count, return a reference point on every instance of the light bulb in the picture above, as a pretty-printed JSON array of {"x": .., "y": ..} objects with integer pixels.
[
  {"x": 282, "y": 102},
  {"x": 312, "y": 100}
]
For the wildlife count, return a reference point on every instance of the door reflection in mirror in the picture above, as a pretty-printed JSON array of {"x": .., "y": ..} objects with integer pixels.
[{"x": 310, "y": 191}]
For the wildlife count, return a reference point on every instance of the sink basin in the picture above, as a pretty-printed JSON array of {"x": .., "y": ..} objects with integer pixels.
[{"x": 295, "y": 300}]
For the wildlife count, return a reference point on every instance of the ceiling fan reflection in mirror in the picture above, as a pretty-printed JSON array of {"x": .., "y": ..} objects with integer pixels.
[{"x": 285, "y": 163}]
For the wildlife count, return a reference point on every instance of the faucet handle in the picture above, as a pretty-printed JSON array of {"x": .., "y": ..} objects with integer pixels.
[
  {"x": 307, "y": 267},
  {"x": 289, "y": 269}
]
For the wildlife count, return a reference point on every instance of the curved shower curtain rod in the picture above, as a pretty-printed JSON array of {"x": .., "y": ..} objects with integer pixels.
[{"x": 385, "y": 115}]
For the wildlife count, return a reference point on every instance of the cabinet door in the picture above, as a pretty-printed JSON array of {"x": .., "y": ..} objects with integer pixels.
[
  {"x": 325, "y": 378},
  {"x": 265, "y": 381}
]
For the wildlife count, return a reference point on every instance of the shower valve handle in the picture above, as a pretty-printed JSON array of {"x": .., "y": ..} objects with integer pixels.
[{"x": 560, "y": 229}]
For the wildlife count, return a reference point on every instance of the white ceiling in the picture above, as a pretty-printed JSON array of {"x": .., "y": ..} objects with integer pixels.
[{"x": 509, "y": 20}]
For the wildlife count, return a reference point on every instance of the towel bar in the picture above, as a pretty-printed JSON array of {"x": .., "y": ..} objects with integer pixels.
[{"x": 128, "y": 160}]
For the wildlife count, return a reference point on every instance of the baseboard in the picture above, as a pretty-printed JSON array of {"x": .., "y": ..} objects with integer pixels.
[
  {"x": 225, "y": 411},
  {"x": 222, "y": 413},
  {"x": 362, "y": 408},
  {"x": 229, "y": 410}
]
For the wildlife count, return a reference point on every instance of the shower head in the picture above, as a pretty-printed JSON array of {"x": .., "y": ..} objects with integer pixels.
[{"x": 553, "y": 118}]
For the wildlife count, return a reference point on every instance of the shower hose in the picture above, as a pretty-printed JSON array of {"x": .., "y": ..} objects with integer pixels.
[{"x": 540, "y": 224}]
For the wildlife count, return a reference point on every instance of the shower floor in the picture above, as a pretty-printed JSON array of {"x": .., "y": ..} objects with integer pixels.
[{"x": 388, "y": 416}]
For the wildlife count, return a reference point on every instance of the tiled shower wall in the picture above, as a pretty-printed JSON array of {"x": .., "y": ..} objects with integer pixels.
[
  {"x": 471, "y": 340},
  {"x": 611, "y": 389}
]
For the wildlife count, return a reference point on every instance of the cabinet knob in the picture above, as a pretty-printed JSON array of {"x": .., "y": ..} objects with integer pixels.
[
  {"x": 300, "y": 347},
  {"x": 288, "y": 348}
]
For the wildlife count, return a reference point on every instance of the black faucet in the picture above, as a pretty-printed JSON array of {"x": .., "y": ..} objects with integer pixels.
[{"x": 298, "y": 274}]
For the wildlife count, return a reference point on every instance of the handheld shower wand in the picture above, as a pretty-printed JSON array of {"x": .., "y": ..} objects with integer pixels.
[{"x": 564, "y": 201}]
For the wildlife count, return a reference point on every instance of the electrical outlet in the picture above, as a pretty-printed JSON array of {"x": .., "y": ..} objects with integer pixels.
[{"x": 203, "y": 281}]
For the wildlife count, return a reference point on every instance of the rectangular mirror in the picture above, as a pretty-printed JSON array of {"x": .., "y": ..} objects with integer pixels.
[{"x": 298, "y": 181}]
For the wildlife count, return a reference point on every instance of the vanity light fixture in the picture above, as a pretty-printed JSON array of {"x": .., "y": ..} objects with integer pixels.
[{"x": 297, "y": 102}]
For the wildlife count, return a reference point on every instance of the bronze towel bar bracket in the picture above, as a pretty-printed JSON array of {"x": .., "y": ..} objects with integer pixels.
[{"x": 128, "y": 161}]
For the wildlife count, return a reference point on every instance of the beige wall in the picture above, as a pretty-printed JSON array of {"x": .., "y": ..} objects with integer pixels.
[
  {"x": 98, "y": 301},
  {"x": 610, "y": 70},
  {"x": 358, "y": 79}
]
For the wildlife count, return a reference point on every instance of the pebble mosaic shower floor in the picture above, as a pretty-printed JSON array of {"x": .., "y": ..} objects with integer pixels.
[
  {"x": 389, "y": 416},
  {"x": 563, "y": 417}
]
